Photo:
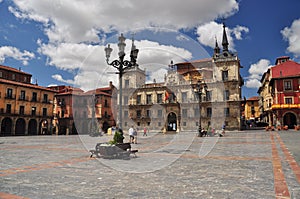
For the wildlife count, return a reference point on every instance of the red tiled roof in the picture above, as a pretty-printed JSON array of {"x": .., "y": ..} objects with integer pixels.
[
  {"x": 196, "y": 61},
  {"x": 97, "y": 92},
  {"x": 254, "y": 98},
  {"x": 285, "y": 69},
  {"x": 5, "y": 81},
  {"x": 13, "y": 70}
]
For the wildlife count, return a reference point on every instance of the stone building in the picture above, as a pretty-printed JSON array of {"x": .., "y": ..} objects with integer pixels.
[
  {"x": 173, "y": 104},
  {"x": 25, "y": 108}
]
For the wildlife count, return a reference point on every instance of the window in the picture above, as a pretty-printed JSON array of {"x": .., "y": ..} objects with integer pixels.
[
  {"x": 209, "y": 112},
  {"x": 138, "y": 113},
  {"x": 184, "y": 97},
  {"x": 149, "y": 99},
  {"x": 226, "y": 112},
  {"x": 138, "y": 99},
  {"x": 226, "y": 95},
  {"x": 196, "y": 112},
  {"x": 288, "y": 85},
  {"x": 105, "y": 103},
  {"x": 21, "y": 110},
  {"x": 45, "y": 98},
  {"x": 13, "y": 77},
  {"x": 9, "y": 93},
  {"x": 148, "y": 113},
  {"x": 1, "y": 74},
  {"x": 22, "y": 96},
  {"x": 159, "y": 123},
  {"x": 126, "y": 83},
  {"x": 34, "y": 97},
  {"x": 33, "y": 111},
  {"x": 184, "y": 123},
  {"x": 184, "y": 113},
  {"x": 159, "y": 98},
  {"x": 8, "y": 108},
  {"x": 225, "y": 75},
  {"x": 159, "y": 113},
  {"x": 44, "y": 112},
  {"x": 208, "y": 95},
  {"x": 288, "y": 100}
]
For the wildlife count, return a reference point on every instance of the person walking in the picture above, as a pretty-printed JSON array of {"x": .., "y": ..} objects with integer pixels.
[
  {"x": 145, "y": 131},
  {"x": 131, "y": 134}
]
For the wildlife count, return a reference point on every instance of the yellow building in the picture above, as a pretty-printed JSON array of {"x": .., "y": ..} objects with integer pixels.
[
  {"x": 252, "y": 108},
  {"x": 25, "y": 108}
]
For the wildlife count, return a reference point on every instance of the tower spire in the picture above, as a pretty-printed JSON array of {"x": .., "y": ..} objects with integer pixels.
[
  {"x": 225, "y": 40},
  {"x": 216, "y": 49}
]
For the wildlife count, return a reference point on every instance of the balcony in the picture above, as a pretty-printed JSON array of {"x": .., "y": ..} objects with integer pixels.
[
  {"x": 285, "y": 106},
  {"x": 10, "y": 96},
  {"x": 23, "y": 98},
  {"x": 46, "y": 101}
]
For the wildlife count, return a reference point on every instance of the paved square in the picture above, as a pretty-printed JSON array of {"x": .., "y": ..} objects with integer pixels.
[{"x": 248, "y": 164}]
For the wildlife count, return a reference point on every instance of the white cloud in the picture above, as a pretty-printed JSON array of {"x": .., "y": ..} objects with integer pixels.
[
  {"x": 88, "y": 61},
  {"x": 73, "y": 27},
  {"x": 256, "y": 71},
  {"x": 78, "y": 21},
  {"x": 252, "y": 83},
  {"x": 208, "y": 33},
  {"x": 13, "y": 52},
  {"x": 292, "y": 35}
]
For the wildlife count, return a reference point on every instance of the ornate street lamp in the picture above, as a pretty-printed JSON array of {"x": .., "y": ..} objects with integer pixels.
[
  {"x": 199, "y": 90},
  {"x": 121, "y": 65}
]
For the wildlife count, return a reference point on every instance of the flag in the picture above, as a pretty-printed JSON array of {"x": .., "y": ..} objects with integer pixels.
[{"x": 166, "y": 95}]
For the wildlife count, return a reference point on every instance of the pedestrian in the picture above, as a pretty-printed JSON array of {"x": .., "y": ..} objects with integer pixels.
[
  {"x": 131, "y": 134},
  {"x": 223, "y": 130},
  {"x": 145, "y": 131},
  {"x": 135, "y": 133}
]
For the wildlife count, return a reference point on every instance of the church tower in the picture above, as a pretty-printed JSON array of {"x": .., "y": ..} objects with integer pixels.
[{"x": 228, "y": 83}]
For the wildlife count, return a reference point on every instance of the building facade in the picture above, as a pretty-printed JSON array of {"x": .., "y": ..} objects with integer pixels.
[
  {"x": 79, "y": 112},
  {"x": 252, "y": 108},
  {"x": 279, "y": 93},
  {"x": 173, "y": 105},
  {"x": 25, "y": 108}
]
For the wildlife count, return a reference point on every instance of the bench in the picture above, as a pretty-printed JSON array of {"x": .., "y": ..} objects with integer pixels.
[{"x": 120, "y": 150}]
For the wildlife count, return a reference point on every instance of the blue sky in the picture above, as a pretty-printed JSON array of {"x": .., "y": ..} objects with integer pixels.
[{"x": 62, "y": 42}]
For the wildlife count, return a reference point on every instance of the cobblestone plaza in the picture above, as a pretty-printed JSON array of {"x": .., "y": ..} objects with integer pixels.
[{"x": 248, "y": 164}]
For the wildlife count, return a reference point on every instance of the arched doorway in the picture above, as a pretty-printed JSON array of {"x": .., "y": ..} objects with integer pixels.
[
  {"x": 290, "y": 120},
  {"x": 172, "y": 122},
  {"x": 32, "y": 127},
  {"x": 20, "y": 127},
  {"x": 6, "y": 126}
]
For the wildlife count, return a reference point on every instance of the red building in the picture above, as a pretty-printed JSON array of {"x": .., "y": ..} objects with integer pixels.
[
  {"x": 284, "y": 87},
  {"x": 76, "y": 111}
]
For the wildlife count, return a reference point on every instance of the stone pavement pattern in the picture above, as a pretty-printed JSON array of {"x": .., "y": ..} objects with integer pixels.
[{"x": 250, "y": 164}]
